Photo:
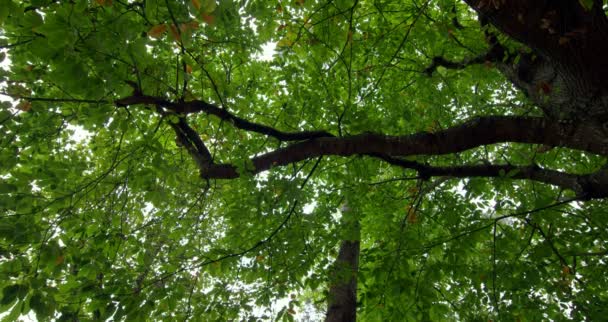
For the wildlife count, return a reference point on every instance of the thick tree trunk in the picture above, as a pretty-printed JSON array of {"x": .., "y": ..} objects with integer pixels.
[
  {"x": 342, "y": 297},
  {"x": 566, "y": 74},
  {"x": 342, "y": 306}
]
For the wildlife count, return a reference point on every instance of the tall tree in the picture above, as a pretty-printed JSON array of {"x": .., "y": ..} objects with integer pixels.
[{"x": 155, "y": 165}]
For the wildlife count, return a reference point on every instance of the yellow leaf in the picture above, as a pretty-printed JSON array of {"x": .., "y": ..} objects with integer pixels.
[
  {"x": 157, "y": 31},
  {"x": 196, "y": 4},
  {"x": 205, "y": 6},
  {"x": 284, "y": 42},
  {"x": 209, "y": 6},
  {"x": 288, "y": 40}
]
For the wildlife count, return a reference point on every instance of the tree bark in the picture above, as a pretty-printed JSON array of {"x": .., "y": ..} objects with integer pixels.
[
  {"x": 342, "y": 297},
  {"x": 343, "y": 284},
  {"x": 566, "y": 74}
]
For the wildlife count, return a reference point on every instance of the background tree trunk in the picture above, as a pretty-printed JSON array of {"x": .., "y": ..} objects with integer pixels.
[
  {"x": 342, "y": 297},
  {"x": 343, "y": 284}
]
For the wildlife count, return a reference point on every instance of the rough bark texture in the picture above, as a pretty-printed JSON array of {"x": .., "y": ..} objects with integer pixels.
[
  {"x": 566, "y": 72},
  {"x": 343, "y": 284}
]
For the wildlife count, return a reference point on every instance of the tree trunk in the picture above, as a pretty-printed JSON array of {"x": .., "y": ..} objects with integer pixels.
[
  {"x": 566, "y": 74},
  {"x": 343, "y": 284},
  {"x": 342, "y": 297}
]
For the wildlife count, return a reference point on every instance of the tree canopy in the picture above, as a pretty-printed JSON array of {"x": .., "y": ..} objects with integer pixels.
[{"x": 401, "y": 160}]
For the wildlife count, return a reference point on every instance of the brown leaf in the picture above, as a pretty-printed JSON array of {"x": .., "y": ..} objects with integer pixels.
[
  {"x": 157, "y": 31},
  {"x": 104, "y": 2},
  {"x": 209, "y": 19},
  {"x": 59, "y": 260},
  {"x": 412, "y": 217},
  {"x": 24, "y": 106},
  {"x": 174, "y": 33}
]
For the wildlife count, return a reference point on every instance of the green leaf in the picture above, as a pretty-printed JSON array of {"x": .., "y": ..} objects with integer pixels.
[
  {"x": 388, "y": 105},
  {"x": 586, "y": 4},
  {"x": 13, "y": 315},
  {"x": 43, "y": 307},
  {"x": 12, "y": 292}
]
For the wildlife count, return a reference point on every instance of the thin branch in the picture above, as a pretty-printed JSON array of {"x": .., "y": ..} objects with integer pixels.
[
  {"x": 58, "y": 100},
  {"x": 495, "y": 54},
  {"x": 494, "y": 294},
  {"x": 196, "y": 106},
  {"x": 19, "y": 43},
  {"x": 449, "y": 238}
]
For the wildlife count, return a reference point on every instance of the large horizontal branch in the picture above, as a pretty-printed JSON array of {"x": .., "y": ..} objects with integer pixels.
[
  {"x": 585, "y": 136},
  {"x": 197, "y": 106},
  {"x": 478, "y": 132}
]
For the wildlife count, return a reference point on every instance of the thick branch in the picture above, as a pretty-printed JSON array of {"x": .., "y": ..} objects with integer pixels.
[
  {"x": 190, "y": 139},
  {"x": 482, "y": 131},
  {"x": 477, "y": 132}
]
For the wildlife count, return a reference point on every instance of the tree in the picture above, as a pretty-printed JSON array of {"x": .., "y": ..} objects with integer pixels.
[{"x": 155, "y": 166}]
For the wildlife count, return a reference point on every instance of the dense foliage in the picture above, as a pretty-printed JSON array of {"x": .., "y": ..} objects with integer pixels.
[{"x": 155, "y": 165}]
